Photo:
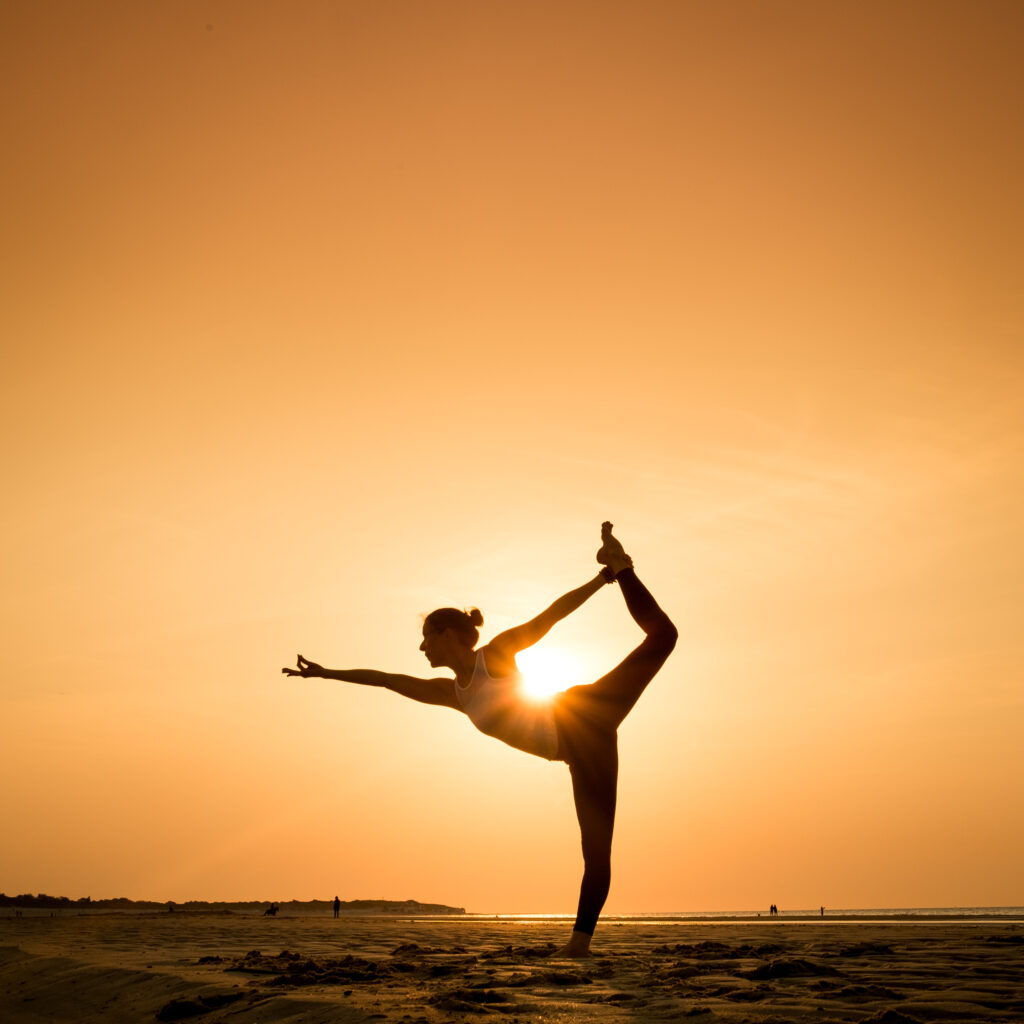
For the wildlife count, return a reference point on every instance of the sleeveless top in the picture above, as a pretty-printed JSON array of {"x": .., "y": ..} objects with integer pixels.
[{"x": 498, "y": 708}]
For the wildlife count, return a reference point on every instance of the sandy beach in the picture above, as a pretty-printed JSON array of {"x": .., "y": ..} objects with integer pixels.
[{"x": 221, "y": 967}]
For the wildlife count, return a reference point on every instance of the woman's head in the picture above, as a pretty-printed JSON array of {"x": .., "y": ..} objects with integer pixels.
[
  {"x": 448, "y": 634},
  {"x": 465, "y": 625}
]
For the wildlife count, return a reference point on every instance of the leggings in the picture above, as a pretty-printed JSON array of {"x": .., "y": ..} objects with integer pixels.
[{"x": 587, "y": 718}]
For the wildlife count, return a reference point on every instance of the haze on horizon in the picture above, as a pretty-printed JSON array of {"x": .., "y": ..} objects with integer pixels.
[{"x": 318, "y": 318}]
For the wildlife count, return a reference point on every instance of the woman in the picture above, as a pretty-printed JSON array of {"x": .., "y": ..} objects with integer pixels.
[{"x": 578, "y": 726}]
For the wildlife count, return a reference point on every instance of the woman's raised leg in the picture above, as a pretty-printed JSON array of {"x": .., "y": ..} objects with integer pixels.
[{"x": 617, "y": 692}]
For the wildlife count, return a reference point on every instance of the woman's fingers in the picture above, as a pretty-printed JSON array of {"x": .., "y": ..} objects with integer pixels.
[{"x": 303, "y": 667}]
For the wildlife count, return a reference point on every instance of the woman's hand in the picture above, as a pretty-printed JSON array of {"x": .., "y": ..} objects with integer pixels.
[{"x": 305, "y": 668}]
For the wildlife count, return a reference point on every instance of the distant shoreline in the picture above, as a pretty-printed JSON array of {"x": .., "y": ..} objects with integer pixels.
[
  {"x": 383, "y": 910},
  {"x": 855, "y": 916},
  {"x": 43, "y": 904}
]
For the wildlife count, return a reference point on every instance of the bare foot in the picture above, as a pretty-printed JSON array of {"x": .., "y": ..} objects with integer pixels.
[
  {"x": 611, "y": 552},
  {"x": 577, "y": 948}
]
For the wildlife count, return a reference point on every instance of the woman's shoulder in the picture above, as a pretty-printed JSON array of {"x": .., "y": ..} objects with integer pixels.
[{"x": 497, "y": 663}]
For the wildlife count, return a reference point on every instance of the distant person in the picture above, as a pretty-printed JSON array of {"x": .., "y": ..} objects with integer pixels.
[
  {"x": 578, "y": 726},
  {"x": 822, "y": 911},
  {"x": 170, "y": 908},
  {"x": 337, "y": 907}
]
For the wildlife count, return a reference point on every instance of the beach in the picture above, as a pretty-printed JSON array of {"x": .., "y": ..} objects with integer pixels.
[{"x": 212, "y": 967}]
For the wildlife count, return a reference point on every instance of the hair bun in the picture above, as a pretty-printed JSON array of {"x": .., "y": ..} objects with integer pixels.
[{"x": 476, "y": 617}]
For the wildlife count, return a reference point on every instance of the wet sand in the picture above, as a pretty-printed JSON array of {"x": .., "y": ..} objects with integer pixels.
[{"x": 227, "y": 967}]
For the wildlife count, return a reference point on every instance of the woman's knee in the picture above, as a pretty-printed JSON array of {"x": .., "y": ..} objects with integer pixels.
[
  {"x": 597, "y": 852},
  {"x": 597, "y": 868},
  {"x": 671, "y": 635},
  {"x": 663, "y": 637}
]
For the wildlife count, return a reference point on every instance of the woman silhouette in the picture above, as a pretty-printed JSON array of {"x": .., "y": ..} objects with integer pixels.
[{"x": 578, "y": 726}]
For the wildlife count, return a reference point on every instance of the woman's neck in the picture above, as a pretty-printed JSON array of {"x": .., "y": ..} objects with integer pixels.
[{"x": 464, "y": 665}]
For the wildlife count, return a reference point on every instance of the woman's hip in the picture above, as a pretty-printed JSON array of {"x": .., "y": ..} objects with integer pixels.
[{"x": 583, "y": 725}]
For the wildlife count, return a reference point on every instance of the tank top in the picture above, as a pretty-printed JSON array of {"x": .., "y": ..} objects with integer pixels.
[{"x": 498, "y": 708}]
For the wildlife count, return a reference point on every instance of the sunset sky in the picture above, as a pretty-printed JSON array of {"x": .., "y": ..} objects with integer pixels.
[{"x": 319, "y": 315}]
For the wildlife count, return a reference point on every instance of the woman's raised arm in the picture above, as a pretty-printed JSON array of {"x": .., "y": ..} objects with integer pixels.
[
  {"x": 520, "y": 637},
  {"x": 427, "y": 691}
]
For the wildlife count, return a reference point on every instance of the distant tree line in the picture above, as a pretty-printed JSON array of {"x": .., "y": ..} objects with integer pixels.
[{"x": 43, "y": 902}]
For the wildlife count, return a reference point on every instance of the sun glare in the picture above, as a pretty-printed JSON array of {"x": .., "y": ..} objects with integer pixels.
[{"x": 546, "y": 671}]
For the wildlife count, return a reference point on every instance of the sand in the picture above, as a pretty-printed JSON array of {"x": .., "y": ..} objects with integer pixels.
[{"x": 225, "y": 967}]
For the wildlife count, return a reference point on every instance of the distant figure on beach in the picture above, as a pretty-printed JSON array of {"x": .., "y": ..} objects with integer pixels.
[
  {"x": 578, "y": 726},
  {"x": 337, "y": 907},
  {"x": 822, "y": 911},
  {"x": 170, "y": 908},
  {"x": 773, "y": 911},
  {"x": 271, "y": 911}
]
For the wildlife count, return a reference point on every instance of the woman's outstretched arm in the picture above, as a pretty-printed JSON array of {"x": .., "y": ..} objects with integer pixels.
[
  {"x": 520, "y": 637},
  {"x": 426, "y": 691}
]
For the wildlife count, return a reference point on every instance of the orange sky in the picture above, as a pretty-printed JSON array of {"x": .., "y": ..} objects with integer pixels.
[{"x": 318, "y": 316}]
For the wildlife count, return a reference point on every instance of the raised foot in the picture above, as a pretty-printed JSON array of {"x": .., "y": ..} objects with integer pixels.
[{"x": 611, "y": 552}]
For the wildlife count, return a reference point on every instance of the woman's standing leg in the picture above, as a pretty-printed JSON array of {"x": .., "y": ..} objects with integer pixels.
[{"x": 594, "y": 770}]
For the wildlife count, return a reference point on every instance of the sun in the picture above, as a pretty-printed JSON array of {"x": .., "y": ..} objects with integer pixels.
[{"x": 546, "y": 671}]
